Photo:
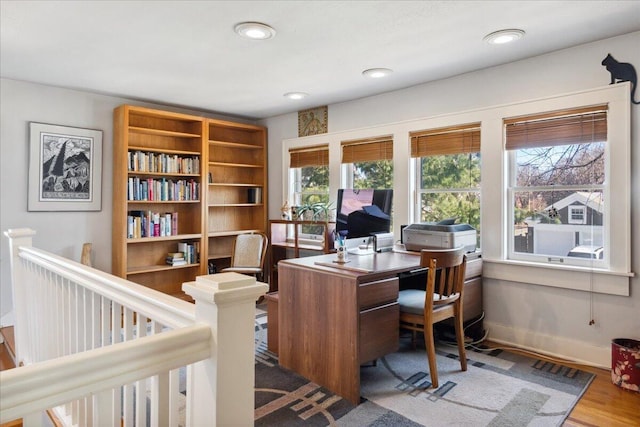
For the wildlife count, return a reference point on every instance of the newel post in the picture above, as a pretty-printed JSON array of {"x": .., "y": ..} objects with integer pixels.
[
  {"x": 220, "y": 390},
  {"x": 19, "y": 237}
]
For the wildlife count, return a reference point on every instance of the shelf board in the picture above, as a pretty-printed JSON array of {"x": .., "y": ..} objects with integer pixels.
[
  {"x": 162, "y": 150},
  {"x": 164, "y": 238},
  {"x": 224, "y": 205},
  {"x": 235, "y": 145},
  {"x": 232, "y": 232},
  {"x": 163, "y": 174},
  {"x": 219, "y": 256},
  {"x": 161, "y": 132},
  {"x": 156, "y": 268},
  {"x": 157, "y": 202},
  {"x": 234, "y": 165},
  {"x": 223, "y": 184},
  {"x": 300, "y": 246}
]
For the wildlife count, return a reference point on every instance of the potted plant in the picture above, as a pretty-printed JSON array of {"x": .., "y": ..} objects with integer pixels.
[{"x": 322, "y": 211}]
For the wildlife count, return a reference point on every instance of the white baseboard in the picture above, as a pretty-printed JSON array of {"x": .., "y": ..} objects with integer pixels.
[{"x": 550, "y": 345}]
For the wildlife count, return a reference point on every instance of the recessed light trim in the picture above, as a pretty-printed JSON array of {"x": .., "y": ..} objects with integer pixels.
[
  {"x": 377, "y": 73},
  {"x": 254, "y": 30},
  {"x": 504, "y": 36},
  {"x": 295, "y": 95}
]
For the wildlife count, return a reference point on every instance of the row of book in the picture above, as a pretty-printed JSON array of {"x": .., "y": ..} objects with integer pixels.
[
  {"x": 142, "y": 161},
  {"x": 162, "y": 189},
  {"x": 188, "y": 253},
  {"x": 151, "y": 224}
]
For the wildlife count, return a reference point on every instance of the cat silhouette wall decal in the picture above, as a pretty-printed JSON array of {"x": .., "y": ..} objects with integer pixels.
[{"x": 622, "y": 72}]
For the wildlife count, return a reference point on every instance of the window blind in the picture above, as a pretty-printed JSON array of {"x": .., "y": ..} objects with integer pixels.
[
  {"x": 309, "y": 156},
  {"x": 367, "y": 150},
  {"x": 575, "y": 126},
  {"x": 448, "y": 140}
]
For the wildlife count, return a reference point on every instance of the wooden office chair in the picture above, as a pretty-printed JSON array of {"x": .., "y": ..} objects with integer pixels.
[
  {"x": 442, "y": 299},
  {"x": 248, "y": 254}
]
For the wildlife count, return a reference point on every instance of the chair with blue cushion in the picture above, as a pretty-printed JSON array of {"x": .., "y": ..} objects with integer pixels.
[{"x": 442, "y": 299}]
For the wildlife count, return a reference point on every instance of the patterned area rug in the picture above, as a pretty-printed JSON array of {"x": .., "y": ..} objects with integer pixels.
[{"x": 498, "y": 389}]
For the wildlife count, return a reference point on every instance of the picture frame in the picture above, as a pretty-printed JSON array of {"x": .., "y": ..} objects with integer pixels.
[
  {"x": 312, "y": 121},
  {"x": 65, "y": 168}
]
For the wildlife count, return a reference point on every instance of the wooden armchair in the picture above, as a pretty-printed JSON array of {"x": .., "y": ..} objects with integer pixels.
[
  {"x": 248, "y": 254},
  {"x": 442, "y": 299}
]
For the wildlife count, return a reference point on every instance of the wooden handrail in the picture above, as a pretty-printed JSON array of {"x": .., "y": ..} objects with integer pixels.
[{"x": 44, "y": 385}]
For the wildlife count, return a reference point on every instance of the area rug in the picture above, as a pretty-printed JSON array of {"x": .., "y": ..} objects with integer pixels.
[{"x": 498, "y": 389}]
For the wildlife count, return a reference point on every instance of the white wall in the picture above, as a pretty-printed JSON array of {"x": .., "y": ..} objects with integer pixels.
[
  {"x": 549, "y": 319},
  {"x": 62, "y": 233}
]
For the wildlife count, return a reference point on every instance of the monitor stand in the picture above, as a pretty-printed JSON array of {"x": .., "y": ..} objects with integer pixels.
[
  {"x": 361, "y": 251},
  {"x": 360, "y": 245}
]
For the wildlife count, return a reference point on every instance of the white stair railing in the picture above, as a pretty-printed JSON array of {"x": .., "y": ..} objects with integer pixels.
[{"x": 100, "y": 350}]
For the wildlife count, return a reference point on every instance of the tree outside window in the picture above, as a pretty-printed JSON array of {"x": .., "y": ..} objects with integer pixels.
[{"x": 448, "y": 174}]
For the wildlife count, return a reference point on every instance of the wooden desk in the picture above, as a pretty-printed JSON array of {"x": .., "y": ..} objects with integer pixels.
[{"x": 332, "y": 318}]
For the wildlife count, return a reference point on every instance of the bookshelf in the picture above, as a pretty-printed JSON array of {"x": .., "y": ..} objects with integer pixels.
[
  {"x": 236, "y": 186},
  {"x": 159, "y": 193}
]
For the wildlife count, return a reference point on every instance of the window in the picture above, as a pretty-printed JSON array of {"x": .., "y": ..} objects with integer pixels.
[
  {"x": 368, "y": 163},
  {"x": 557, "y": 164},
  {"x": 577, "y": 215},
  {"x": 309, "y": 174},
  {"x": 309, "y": 178},
  {"x": 447, "y": 161}
]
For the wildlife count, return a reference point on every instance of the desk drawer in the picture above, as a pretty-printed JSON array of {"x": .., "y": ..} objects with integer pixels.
[
  {"x": 474, "y": 269},
  {"x": 379, "y": 332},
  {"x": 371, "y": 294}
]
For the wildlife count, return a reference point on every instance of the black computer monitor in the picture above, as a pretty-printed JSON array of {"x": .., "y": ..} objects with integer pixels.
[{"x": 363, "y": 212}]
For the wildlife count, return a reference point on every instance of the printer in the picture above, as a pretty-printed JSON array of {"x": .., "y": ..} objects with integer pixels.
[{"x": 431, "y": 235}]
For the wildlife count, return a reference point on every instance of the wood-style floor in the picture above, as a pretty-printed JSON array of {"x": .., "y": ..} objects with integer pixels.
[
  {"x": 602, "y": 405},
  {"x": 605, "y": 404}
]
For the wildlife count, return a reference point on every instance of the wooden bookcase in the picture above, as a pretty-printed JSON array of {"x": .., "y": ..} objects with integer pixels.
[
  {"x": 164, "y": 151},
  {"x": 237, "y": 186}
]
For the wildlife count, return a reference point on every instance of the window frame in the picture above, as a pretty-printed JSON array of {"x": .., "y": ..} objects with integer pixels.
[{"x": 612, "y": 279}]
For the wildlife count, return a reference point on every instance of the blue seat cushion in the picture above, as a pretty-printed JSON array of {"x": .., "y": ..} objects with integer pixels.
[{"x": 411, "y": 301}]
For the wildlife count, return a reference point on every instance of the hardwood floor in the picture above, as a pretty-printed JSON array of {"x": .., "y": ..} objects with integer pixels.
[
  {"x": 602, "y": 405},
  {"x": 605, "y": 404}
]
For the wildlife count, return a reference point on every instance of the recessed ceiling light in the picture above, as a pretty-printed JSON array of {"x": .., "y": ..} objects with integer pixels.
[
  {"x": 376, "y": 73},
  {"x": 504, "y": 36},
  {"x": 295, "y": 95},
  {"x": 254, "y": 30}
]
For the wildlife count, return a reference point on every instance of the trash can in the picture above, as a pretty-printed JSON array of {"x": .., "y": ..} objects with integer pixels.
[{"x": 625, "y": 363}]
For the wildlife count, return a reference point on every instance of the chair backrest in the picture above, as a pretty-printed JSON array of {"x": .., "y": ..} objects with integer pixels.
[
  {"x": 249, "y": 250},
  {"x": 445, "y": 277}
]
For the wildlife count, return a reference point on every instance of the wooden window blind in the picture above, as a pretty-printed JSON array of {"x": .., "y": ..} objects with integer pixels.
[
  {"x": 449, "y": 140},
  {"x": 368, "y": 149},
  {"x": 575, "y": 126},
  {"x": 309, "y": 156}
]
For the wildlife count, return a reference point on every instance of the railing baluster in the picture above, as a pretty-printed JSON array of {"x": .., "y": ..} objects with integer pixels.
[{"x": 142, "y": 386}]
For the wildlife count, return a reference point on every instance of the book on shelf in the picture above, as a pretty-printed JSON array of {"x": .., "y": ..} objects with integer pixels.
[
  {"x": 151, "y": 224},
  {"x": 163, "y": 189},
  {"x": 141, "y": 161},
  {"x": 191, "y": 251},
  {"x": 176, "y": 258}
]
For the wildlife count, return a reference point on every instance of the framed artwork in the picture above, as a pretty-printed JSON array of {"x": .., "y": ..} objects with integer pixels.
[
  {"x": 65, "y": 168},
  {"x": 312, "y": 121}
]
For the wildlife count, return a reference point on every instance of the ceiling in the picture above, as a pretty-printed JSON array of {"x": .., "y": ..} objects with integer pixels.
[{"x": 185, "y": 53}]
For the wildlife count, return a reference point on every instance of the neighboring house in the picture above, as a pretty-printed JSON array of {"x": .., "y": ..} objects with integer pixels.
[{"x": 578, "y": 223}]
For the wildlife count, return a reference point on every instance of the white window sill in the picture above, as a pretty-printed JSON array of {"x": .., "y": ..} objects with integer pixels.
[{"x": 566, "y": 277}]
